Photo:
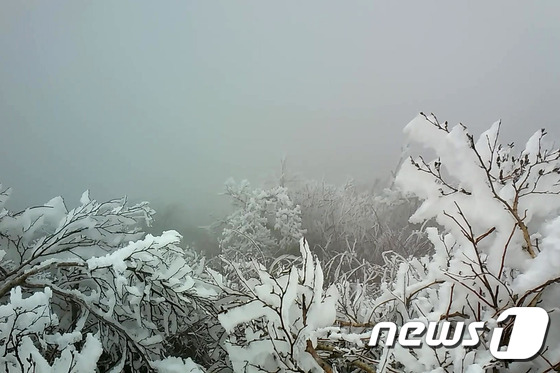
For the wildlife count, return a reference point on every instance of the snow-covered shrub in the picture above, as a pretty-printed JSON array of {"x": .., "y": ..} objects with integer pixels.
[
  {"x": 349, "y": 227},
  {"x": 26, "y": 336},
  {"x": 265, "y": 222},
  {"x": 288, "y": 319},
  {"x": 85, "y": 289},
  {"x": 498, "y": 246},
  {"x": 274, "y": 322}
]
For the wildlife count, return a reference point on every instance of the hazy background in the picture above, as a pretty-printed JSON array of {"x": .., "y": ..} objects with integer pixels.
[{"x": 164, "y": 101}]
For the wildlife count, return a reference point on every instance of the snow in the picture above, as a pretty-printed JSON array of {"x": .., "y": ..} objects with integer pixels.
[
  {"x": 176, "y": 365},
  {"x": 546, "y": 266},
  {"x": 253, "y": 310}
]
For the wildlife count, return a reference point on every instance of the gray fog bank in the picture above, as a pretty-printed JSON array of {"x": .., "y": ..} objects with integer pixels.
[{"x": 164, "y": 101}]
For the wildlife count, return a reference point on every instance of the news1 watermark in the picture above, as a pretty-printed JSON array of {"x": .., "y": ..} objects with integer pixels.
[{"x": 525, "y": 338}]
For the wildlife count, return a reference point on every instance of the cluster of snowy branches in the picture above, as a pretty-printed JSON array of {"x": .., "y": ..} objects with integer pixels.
[
  {"x": 351, "y": 231},
  {"x": 497, "y": 248},
  {"x": 273, "y": 319},
  {"x": 343, "y": 218},
  {"x": 494, "y": 217},
  {"x": 86, "y": 290},
  {"x": 265, "y": 223}
]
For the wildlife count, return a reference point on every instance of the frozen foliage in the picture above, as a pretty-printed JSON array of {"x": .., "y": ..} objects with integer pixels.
[
  {"x": 26, "y": 329},
  {"x": 264, "y": 223},
  {"x": 339, "y": 218},
  {"x": 498, "y": 247},
  {"x": 349, "y": 229},
  {"x": 274, "y": 322},
  {"x": 352, "y": 229},
  {"x": 493, "y": 222},
  {"x": 287, "y": 319},
  {"x": 84, "y": 289}
]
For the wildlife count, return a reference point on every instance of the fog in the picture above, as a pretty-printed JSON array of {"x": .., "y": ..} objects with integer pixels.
[{"x": 164, "y": 101}]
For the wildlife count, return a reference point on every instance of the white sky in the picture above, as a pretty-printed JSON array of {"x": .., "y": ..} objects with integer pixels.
[{"x": 166, "y": 100}]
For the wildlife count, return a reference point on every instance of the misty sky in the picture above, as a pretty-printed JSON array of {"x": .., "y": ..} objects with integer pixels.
[{"x": 164, "y": 101}]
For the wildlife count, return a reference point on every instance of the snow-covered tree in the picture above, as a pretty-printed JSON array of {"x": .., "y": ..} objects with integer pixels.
[
  {"x": 85, "y": 290},
  {"x": 497, "y": 246},
  {"x": 265, "y": 222}
]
